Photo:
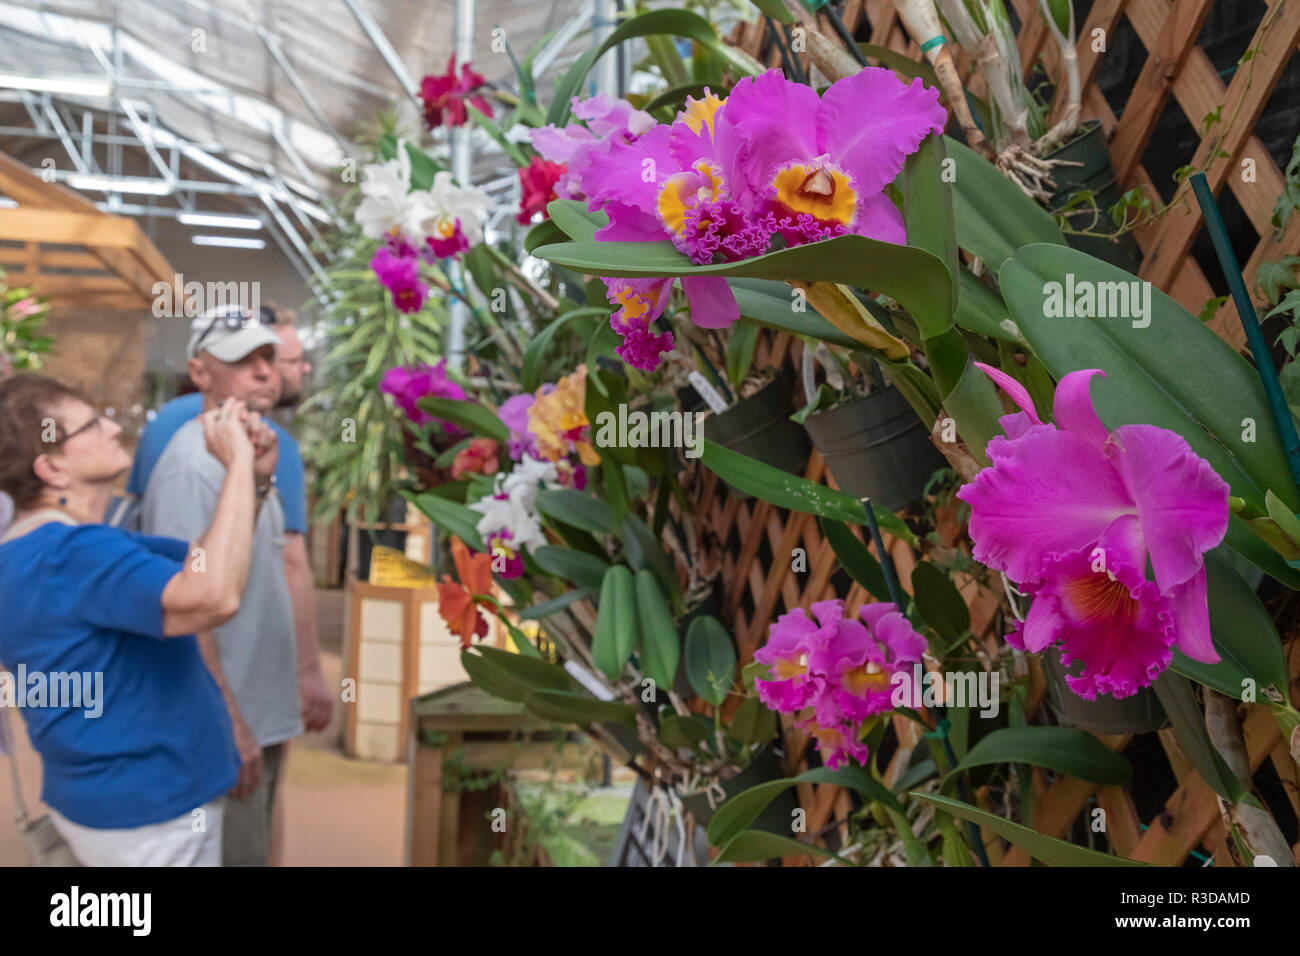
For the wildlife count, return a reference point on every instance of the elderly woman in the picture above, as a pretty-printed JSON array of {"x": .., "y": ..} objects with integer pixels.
[{"x": 133, "y": 776}]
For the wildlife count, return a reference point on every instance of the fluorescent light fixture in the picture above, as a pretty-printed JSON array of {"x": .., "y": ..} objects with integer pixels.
[
  {"x": 232, "y": 242},
  {"x": 218, "y": 222},
  {"x": 121, "y": 184},
  {"x": 97, "y": 86}
]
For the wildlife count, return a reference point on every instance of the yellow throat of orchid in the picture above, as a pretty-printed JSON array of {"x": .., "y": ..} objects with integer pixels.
[
  {"x": 699, "y": 113},
  {"x": 677, "y": 194},
  {"x": 821, "y": 191},
  {"x": 867, "y": 677},
  {"x": 1100, "y": 597},
  {"x": 786, "y": 668},
  {"x": 635, "y": 305}
]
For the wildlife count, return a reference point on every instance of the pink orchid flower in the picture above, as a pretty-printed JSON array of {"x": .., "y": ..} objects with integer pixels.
[
  {"x": 860, "y": 662},
  {"x": 668, "y": 184},
  {"x": 409, "y": 385},
  {"x": 818, "y": 166},
  {"x": 608, "y": 121},
  {"x": 400, "y": 275},
  {"x": 845, "y": 671},
  {"x": 1073, "y": 512}
]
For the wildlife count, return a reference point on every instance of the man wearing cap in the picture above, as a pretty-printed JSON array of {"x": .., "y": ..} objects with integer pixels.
[{"x": 253, "y": 655}]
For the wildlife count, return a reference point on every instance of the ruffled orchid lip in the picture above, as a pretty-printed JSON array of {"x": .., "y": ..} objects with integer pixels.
[{"x": 1106, "y": 618}]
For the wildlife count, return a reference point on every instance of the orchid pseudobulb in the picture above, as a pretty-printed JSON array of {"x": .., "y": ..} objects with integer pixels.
[{"x": 1073, "y": 513}]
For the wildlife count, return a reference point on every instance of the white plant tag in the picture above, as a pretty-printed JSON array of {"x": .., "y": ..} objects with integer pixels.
[
  {"x": 588, "y": 680},
  {"x": 708, "y": 393}
]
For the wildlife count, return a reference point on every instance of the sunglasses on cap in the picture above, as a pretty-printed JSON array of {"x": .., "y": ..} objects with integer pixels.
[{"x": 236, "y": 319}]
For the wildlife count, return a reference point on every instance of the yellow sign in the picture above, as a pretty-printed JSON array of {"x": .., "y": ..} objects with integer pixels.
[{"x": 390, "y": 568}]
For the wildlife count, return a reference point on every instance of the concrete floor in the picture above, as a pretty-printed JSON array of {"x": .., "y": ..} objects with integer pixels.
[{"x": 339, "y": 811}]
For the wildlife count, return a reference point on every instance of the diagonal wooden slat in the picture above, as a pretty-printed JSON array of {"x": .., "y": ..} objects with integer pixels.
[
  {"x": 1246, "y": 96},
  {"x": 1174, "y": 41}
]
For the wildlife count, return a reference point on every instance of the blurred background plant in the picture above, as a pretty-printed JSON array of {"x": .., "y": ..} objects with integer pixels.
[{"x": 22, "y": 314}]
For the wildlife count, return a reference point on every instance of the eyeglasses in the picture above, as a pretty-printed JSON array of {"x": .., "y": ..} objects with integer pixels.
[
  {"x": 73, "y": 434},
  {"x": 232, "y": 322}
]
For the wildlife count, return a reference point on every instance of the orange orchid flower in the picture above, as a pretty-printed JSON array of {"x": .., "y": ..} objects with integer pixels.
[{"x": 456, "y": 601}]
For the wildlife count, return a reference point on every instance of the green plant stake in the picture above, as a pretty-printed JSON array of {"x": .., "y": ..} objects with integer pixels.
[
  {"x": 941, "y": 720},
  {"x": 1249, "y": 322}
]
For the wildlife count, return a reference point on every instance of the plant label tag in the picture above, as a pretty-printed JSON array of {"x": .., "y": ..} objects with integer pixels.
[
  {"x": 588, "y": 680},
  {"x": 708, "y": 393}
]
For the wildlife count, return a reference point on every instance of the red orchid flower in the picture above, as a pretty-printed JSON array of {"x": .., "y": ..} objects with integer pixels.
[
  {"x": 456, "y": 602},
  {"x": 447, "y": 92},
  {"x": 538, "y": 181},
  {"x": 478, "y": 457}
]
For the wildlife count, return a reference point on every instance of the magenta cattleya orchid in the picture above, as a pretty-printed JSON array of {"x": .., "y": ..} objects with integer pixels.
[
  {"x": 727, "y": 176},
  {"x": 409, "y": 385},
  {"x": 608, "y": 121},
  {"x": 1072, "y": 512},
  {"x": 400, "y": 275},
  {"x": 514, "y": 415},
  {"x": 817, "y": 167},
  {"x": 668, "y": 184},
  {"x": 846, "y": 671}
]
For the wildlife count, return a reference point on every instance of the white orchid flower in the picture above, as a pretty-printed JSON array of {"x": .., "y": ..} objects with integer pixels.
[
  {"x": 384, "y": 190},
  {"x": 447, "y": 203}
]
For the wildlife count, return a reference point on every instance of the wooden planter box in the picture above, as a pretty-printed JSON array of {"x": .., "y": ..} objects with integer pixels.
[
  {"x": 446, "y": 826},
  {"x": 397, "y": 647}
]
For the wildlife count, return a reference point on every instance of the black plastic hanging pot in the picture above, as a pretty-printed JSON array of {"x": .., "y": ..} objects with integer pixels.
[
  {"x": 1138, "y": 714},
  {"x": 1089, "y": 148},
  {"x": 876, "y": 447},
  {"x": 760, "y": 427}
]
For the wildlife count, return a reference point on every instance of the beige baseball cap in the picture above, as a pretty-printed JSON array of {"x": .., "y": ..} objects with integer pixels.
[{"x": 230, "y": 332}]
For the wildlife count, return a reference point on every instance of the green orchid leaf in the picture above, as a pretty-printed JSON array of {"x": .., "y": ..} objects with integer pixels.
[
  {"x": 469, "y": 415},
  {"x": 939, "y": 602},
  {"x": 993, "y": 216},
  {"x": 571, "y": 708},
  {"x": 1179, "y": 702},
  {"x": 450, "y": 516},
  {"x": 785, "y": 490},
  {"x": 575, "y": 220},
  {"x": 1043, "y": 848},
  {"x": 710, "y": 659},
  {"x": 578, "y": 509},
  {"x": 755, "y": 845},
  {"x": 914, "y": 277},
  {"x": 1063, "y": 749},
  {"x": 578, "y": 567},
  {"x": 739, "y": 813}
]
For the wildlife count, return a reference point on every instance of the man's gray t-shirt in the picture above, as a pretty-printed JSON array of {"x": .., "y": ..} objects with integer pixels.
[{"x": 258, "y": 651}]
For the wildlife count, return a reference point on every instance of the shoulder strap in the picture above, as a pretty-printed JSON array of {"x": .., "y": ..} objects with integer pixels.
[{"x": 35, "y": 520}]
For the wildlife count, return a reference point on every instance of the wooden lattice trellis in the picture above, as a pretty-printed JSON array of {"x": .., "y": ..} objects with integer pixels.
[
  {"x": 758, "y": 540},
  {"x": 1176, "y": 66},
  {"x": 757, "y": 545}
]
